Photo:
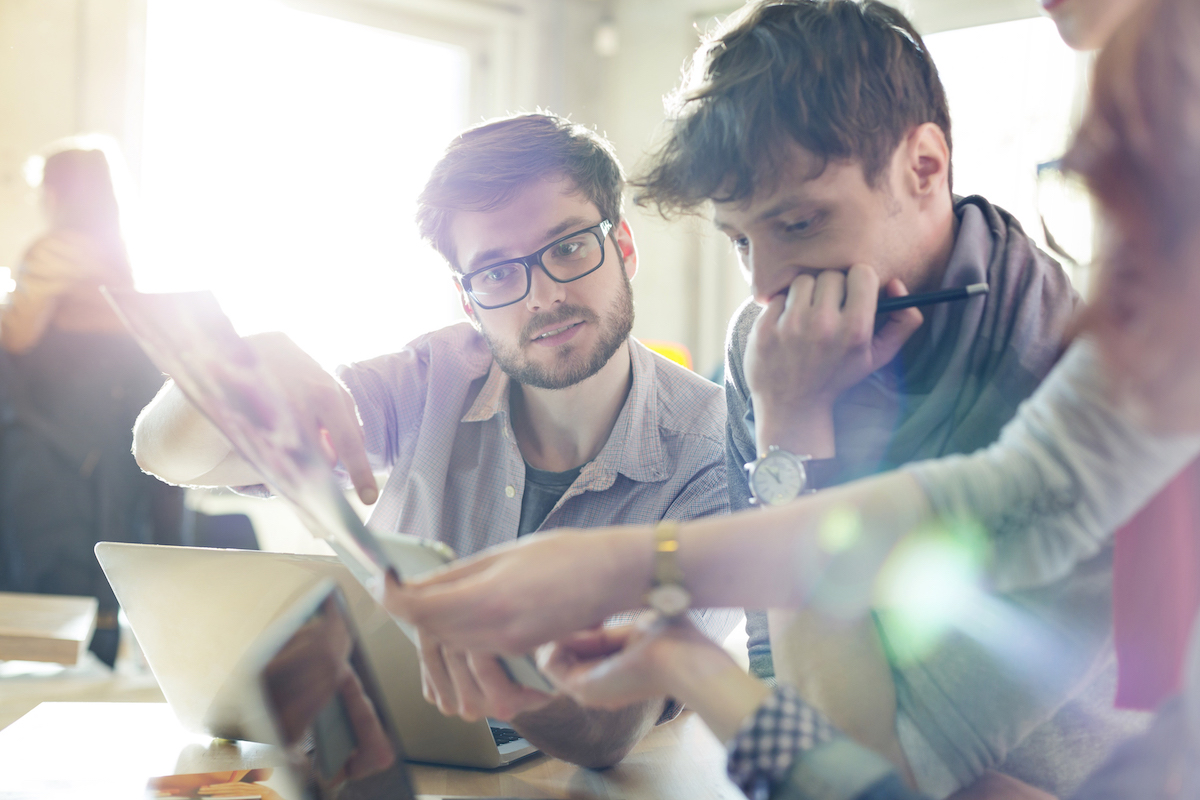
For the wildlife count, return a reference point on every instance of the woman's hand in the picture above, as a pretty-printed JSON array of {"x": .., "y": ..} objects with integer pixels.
[
  {"x": 613, "y": 667},
  {"x": 513, "y": 598}
]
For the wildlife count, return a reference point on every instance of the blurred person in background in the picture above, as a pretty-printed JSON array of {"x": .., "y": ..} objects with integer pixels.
[{"x": 71, "y": 384}]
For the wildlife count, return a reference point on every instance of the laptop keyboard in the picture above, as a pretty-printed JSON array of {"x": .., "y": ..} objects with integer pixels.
[{"x": 504, "y": 735}]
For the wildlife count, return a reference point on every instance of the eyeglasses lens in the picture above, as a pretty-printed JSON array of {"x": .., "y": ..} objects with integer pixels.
[
  {"x": 570, "y": 258},
  {"x": 566, "y": 260}
]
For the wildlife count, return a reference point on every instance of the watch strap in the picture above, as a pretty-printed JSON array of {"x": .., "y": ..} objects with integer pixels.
[
  {"x": 667, "y": 596},
  {"x": 821, "y": 473},
  {"x": 667, "y": 571}
]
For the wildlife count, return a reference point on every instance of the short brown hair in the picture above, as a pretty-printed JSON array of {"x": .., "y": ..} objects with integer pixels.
[
  {"x": 843, "y": 79},
  {"x": 485, "y": 167}
]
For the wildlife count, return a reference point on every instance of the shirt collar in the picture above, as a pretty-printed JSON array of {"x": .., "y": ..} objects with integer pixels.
[
  {"x": 633, "y": 448},
  {"x": 492, "y": 398}
]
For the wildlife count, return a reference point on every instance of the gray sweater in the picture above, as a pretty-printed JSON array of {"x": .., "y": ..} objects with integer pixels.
[{"x": 1066, "y": 472}]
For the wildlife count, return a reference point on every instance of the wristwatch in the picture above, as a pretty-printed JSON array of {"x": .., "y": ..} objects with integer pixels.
[
  {"x": 667, "y": 596},
  {"x": 777, "y": 477}
]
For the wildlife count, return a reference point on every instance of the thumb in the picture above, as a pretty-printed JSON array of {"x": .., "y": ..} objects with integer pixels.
[{"x": 896, "y": 330}]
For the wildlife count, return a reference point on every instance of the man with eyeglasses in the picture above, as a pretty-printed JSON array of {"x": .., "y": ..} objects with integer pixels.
[{"x": 540, "y": 413}]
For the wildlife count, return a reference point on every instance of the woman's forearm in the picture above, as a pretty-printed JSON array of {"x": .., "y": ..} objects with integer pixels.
[
  {"x": 772, "y": 558},
  {"x": 1067, "y": 471}
]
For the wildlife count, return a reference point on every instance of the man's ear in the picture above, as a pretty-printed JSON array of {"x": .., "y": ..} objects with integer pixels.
[
  {"x": 625, "y": 243},
  {"x": 926, "y": 162},
  {"x": 465, "y": 300}
]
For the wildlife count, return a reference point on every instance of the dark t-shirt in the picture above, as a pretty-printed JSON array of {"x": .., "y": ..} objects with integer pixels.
[{"x": 542, "y": 490}]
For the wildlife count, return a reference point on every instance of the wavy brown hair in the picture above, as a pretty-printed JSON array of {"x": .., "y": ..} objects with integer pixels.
[{"x": 844, "y": 79}]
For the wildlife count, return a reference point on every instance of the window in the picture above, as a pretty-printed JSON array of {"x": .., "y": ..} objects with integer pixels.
[
  {"x": 1015, "y": 91},
  {"x": 282, "y": 154}
]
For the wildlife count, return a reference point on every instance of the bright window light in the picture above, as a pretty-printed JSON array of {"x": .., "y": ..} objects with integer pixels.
[
  {"x": 1012, "y": 89},
  {"x": 282, "y": 155}
]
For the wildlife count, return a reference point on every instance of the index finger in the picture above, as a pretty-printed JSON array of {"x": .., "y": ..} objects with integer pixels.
[
  {"x": 439, "y": 602},
  {"x": 346, "y": 435},
  {"x": 862, "y": 290},
  {"x": 499, "y": 689}
]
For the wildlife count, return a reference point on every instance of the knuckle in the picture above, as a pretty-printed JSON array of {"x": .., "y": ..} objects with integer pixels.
[
  {"x": 866, "y": 275},
  {"x": 858, "y": 336},
  {"x": 510, "y": 640},
  {"x": 823, "y": 325}
]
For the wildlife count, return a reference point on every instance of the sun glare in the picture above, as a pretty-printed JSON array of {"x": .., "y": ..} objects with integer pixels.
[{"x": 282, "y": 155}]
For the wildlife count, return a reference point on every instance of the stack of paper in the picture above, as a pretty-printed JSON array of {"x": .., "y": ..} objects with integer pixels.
[{"x": 45, "y": 627}]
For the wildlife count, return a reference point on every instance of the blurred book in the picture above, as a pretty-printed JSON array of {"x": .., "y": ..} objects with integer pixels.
[
  {"x": 45, "y": 627},
  {"x": 238, "y": 784}
]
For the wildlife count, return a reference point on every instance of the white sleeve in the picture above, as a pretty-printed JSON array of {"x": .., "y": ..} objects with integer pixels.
[{"x": 1066, "y": 472}]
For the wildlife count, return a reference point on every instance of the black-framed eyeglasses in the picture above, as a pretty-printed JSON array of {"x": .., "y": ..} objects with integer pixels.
[{"x": 570, "y": 258}]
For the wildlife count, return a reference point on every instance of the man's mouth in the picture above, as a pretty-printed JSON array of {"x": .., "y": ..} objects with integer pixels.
[{"x": 556, "y": 330}]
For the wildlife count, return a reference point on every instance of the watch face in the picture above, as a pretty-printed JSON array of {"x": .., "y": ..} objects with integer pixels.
[
  {"x": 778, "y": 478},
  {"x": 670, "y": 600}
]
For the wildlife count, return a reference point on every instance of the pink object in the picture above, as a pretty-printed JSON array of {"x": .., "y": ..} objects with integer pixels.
[{"x": 1156, "y": 592}]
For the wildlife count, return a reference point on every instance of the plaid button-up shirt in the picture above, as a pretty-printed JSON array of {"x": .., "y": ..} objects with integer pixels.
[{"x": 436, "y": 418}]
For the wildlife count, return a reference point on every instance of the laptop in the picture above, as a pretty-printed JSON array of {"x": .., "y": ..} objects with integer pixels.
[
  {"x": 306, "y": 686},
  {"x": 197, "y": 612}
]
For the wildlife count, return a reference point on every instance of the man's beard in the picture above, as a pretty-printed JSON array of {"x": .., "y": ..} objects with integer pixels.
[{"x": 570, "y": 367}]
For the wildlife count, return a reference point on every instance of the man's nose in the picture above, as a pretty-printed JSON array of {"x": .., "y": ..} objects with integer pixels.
[
  {"x": 768, "y": 275},
  {"x": 544, "y": 292}
]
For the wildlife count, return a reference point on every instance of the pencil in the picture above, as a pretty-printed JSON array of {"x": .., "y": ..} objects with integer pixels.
[{"x": 929, "y": 298}]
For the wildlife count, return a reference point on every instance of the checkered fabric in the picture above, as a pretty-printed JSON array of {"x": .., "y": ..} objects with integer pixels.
[
  {"x": 769, "y": 742},
  {"x": 435, "y": 417}
]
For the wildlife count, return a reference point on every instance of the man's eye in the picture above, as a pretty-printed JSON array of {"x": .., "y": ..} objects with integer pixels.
[
  {"x": 740, "y": 243},
  {"x": 567, "y": 249},
  {"x": 803, "y": 226},
  {"x": 499, "y": 274}
]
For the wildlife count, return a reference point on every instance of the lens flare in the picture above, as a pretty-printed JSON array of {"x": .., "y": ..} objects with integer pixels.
[
  {"x": 840, "y": 529},
  {"x": 930, "y": 582}
]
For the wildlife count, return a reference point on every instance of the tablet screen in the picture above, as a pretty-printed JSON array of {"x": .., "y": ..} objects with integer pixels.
[{"x": 329, "y": 715}]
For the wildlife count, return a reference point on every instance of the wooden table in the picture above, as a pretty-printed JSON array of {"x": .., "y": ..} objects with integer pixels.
[
  {"x": 101, "y": 750},
  {"x": 89, "y": 682}
]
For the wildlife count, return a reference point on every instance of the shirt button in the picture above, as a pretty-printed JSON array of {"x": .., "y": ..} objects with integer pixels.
[{"x": 510, "y": 491}]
